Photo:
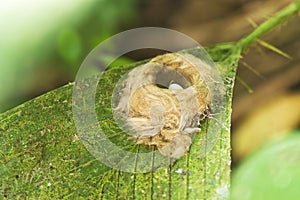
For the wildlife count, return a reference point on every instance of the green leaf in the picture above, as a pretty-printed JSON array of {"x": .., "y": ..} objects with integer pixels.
[
  {"x": 270, "y": 173},
  {"x": 40, "y": 138}
]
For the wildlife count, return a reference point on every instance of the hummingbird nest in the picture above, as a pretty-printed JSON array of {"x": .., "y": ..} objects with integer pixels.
[{"x": 162, "y": 102}]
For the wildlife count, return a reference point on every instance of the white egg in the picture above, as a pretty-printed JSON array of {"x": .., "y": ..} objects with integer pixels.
[{"x": 174, "y": 87}]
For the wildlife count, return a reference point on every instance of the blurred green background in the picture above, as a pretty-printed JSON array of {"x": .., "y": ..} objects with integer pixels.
[{"x": 43, "y": 43}]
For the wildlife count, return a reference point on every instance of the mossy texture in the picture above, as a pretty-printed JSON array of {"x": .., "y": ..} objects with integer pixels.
[{"x": 42, "y": 157}]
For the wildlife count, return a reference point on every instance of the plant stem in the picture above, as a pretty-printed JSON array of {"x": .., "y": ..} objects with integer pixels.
[{"x": 245, "y": 42}]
